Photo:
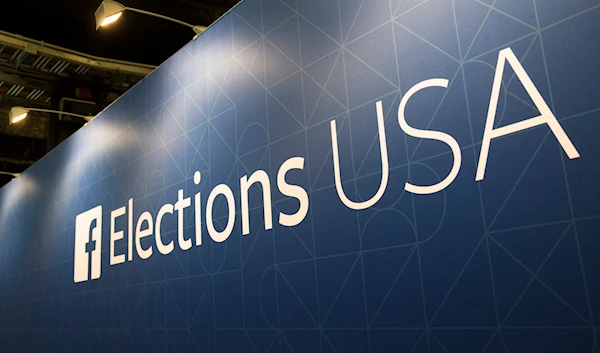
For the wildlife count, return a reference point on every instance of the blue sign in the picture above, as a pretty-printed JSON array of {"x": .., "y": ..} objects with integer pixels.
[{"x": 327, "y": 176}]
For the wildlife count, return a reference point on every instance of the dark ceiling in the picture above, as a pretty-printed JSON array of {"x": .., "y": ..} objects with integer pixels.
[
  {"x": 70, "y": 24},
  {"x": 135, "y": 37}
]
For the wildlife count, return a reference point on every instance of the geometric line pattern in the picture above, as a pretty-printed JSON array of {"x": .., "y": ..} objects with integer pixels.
[{"x": 507, "y": 264}]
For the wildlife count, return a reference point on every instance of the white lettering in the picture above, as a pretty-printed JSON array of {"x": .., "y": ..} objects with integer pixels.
[
  {"x": 292, "y": 191},
  {"x": 432, "y": 135},
  {"x": 130, "y": 230},
  {"x": 180, "y": 205},
  {"x": 261, "y": 177},
  {"x": 224, "y": 190},
  {"x": 142, "y": 233},
  {"x": 384, "y": 164},
  {"x": 163, "y": 248},
  {"x": 114, "y": 236},
  {"x": 546, "y": 115},
  {"x": 197, "y": 213}
]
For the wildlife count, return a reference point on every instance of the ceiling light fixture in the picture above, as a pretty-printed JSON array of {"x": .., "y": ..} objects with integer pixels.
[
  {"x": 110, "y": 11},
  {"x": 19, "y": 113}
]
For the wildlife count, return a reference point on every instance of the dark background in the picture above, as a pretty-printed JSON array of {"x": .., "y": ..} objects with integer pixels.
[{"x": 71, "y": 24}]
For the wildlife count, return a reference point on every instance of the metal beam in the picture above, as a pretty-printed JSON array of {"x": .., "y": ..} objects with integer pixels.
[
  {"x": 17, "y": 161},
  {"x": 19, "y": 80},
  {"x": 40, "y": 48},
  {"x": 9, "y": 101}
]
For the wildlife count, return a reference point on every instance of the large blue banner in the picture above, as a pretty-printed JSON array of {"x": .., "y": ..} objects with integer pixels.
[{"x": 327, "y": 176}]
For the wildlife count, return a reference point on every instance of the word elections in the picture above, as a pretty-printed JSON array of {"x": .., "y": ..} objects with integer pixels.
[{"x": 146, "y": 225}]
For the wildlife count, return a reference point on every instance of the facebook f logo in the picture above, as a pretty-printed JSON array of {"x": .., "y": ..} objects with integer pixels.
[{"x": 88, "y": 245}]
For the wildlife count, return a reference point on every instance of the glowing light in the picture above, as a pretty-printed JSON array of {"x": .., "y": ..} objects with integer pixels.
[
  {"x": 110, "y": 19},
  {"x": 19, "y": 118},
  {"x": 17, "y": 114}
]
